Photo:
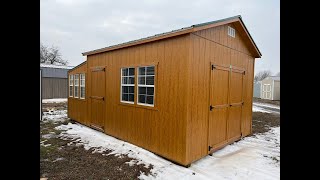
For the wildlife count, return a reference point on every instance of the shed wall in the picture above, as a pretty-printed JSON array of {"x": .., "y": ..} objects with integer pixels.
[
  {"x": 161, "y": 129},
  {"x": 213, "y": 45},
  {"x": 54, "y": 88},
  {"x": 276, "y": 90},
  {"x": 257, "y": 90},
  {"x": 77, "y": 108}
]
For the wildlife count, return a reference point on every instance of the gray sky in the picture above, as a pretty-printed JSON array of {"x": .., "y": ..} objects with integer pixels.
[{"x": 76, "y": 26}]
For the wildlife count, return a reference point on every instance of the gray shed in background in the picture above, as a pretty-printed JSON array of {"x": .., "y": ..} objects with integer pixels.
[
  {"x": 54, "y": 81},
  {"x": 257, "y": 89},
  {"x": 270, "y": 88}
]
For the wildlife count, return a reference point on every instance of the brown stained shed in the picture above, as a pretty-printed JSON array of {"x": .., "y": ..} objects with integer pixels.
[{"x": 198, "y": 86}]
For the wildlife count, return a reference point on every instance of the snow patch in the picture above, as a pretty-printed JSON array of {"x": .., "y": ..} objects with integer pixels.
[
  {"x": 258, "y": 109},
  {"x": 58, "y": 100},
  {"x": 250, "y": 158},
  {"x": 59, "y": 115},
  {"x": 266, "y": 105}
]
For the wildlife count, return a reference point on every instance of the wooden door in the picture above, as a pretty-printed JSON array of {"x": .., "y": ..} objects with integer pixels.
[
  {"x": 236, "y": 103},
  {"x": 218, "y": 110},
  {"x": 97, "y": 98},
  {"x": 226, "y": 101}
]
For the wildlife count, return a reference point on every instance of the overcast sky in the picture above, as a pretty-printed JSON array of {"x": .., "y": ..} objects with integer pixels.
[{"x": 76, "y": 26}]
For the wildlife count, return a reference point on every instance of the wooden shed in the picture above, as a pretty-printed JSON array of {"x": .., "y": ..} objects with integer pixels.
[{"x": 182, "y": 94}]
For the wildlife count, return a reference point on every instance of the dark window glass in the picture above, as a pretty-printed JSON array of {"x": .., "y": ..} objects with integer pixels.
[
  {"x": 125, "y": 89},
  {"x": 142, "y": 80},
  {"x": 149, "y": 100},
  {"x": 150, "y": 70},
  {"x": 131, "y": 97},
  {"x": 131, "y": 80},
  {"x": 150, "y": 80},
  {"x": 142, "y": 71},
  {"x": 125, "y": 97},
  {"x": 131, "y": 71},
  {"x": 142, "y": 99},
  {"x": 125, "y": 72},
  {"x": 142, "y": 90},
  {"x": 150, "y": 91},
  {"x": 131, "y": 89}
]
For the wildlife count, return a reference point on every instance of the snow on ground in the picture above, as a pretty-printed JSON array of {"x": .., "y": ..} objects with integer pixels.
[
  {"x": 58, "y": 100},
  {"x": 58, "y": 115},
  {"x": 266, "y": 105},
  {"x": 259, "y": 109},
  {"x": 255, "y": 157}
]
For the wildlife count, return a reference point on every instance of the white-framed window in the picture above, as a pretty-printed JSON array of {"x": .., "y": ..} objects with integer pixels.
[
  {"x": 231, "y": 31},
  {"x": 76, "y": 85},
  {"x": 146, "y": 78},
  {"x": 127, "y": 85},
  {"x": 71, "y": 85},
  {"x": 82, "y": 86}
]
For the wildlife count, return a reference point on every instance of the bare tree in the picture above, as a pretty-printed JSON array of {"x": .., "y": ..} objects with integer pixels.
[
  {"x": 261, "y": 75},
  {"x": 51, "y": 55}
]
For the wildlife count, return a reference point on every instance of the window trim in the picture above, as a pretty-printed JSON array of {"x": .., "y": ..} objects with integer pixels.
[
  {"x": 231, "y": 31},
  {"x": 138, "y": 105},
  {"x": 74, "y": 85},
  {"x": 84, "y": 85},
  {"x": 71, "y": 75},
  {"x": 134, "y": 84},
  {"x": 154, "y": 83}
]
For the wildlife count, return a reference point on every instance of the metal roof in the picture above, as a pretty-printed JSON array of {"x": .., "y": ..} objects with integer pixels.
[
  {"x": 54, "y": 71},
  {"x": 56, "y": 66},
  {"x": 174, "y": 31}
]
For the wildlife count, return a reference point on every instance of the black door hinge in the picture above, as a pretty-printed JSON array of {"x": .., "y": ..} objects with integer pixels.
[
  {"x": 211, "y": 107},
  {"x": 212, "y": 67},
  {"x": 210, "y": 147}
]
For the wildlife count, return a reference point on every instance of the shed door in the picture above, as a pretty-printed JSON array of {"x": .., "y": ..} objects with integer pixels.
[
  {"x": 226, "y": 101},
  {"x": 236, "y": 103},
  {"x": 266, "y": 91},
  {"x": 97, "y": 98},
  {"x": 217, "y": 125}
]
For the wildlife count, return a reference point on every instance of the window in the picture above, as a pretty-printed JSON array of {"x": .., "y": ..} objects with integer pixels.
[
  {"x": 231, "y": 31},
  {"x": 76, "y": 85},
  {"x": 127, "y": 85},
  {"x": 146, "y": 85},
  {"x": 82, "y": 86},
  {"x": 70, "y": 85}
]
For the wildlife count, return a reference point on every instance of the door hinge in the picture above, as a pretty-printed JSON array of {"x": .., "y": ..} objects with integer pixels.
[
  {"x": 210, "y": 147},
  {"x": 212, "y": 67},
  {"x": 211, "y": 107}
]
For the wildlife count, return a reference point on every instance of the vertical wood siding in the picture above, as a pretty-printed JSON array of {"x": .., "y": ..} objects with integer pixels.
[
  {"x": 54, "y": 88},
  {"x": 177, "y": 127},
  {"x": 213, "y": 46}
]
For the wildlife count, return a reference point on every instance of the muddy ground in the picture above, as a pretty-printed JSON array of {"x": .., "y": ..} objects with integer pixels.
[
  {"x": 58, "y": 160},
  {"x": 61, "y": 160},
  {"x": 263, "y": 122},
  {"x": 275, "y": 102}
]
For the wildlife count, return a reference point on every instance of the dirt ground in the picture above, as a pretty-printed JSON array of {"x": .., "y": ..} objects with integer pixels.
[
  {"x": 60, "y": 159},
  {"x": 263, "y": 122},
  {"x": 275, "y": 102}
]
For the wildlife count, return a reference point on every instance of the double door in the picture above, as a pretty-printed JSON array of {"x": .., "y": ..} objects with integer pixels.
[{"x": 226, "y": 102}]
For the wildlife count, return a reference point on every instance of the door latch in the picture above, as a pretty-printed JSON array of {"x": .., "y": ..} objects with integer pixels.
[{"x": 211, "y": 107}]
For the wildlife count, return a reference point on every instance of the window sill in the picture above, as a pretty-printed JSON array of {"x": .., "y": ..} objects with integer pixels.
[
  {"x": 77, "y": 99},
  {"x": 139, "y": 106}
]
